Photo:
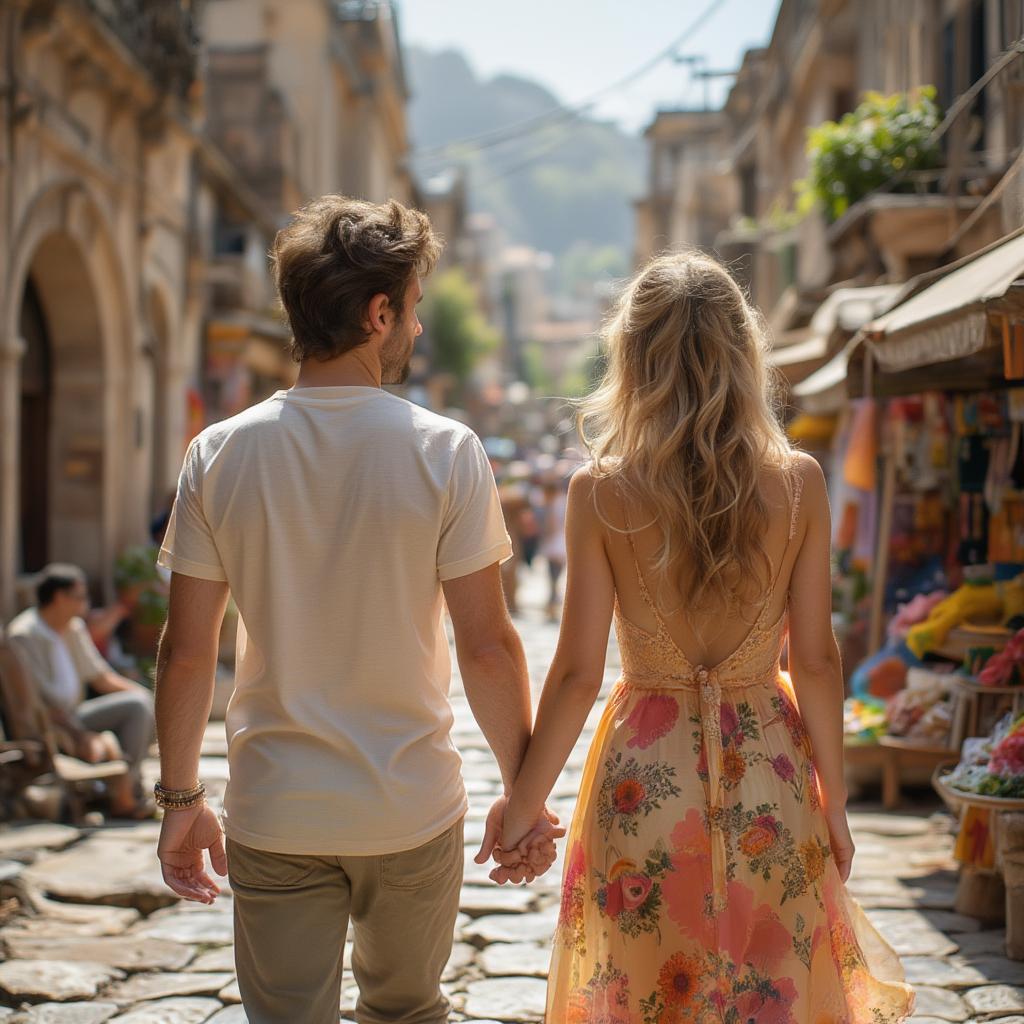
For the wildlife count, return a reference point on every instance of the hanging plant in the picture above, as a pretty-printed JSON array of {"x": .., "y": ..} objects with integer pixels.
[{"x": 885, "y": 138}]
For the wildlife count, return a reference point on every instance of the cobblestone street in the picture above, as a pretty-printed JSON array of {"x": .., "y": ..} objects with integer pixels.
[{"x": 106, "y": 941}]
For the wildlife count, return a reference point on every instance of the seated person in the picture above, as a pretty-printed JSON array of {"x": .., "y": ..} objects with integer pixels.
[{"x": 53, "y": 644}]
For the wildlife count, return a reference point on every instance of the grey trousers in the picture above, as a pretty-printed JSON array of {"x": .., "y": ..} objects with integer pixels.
[
  {"x": 292, "y": 914},
  {"x": 129, "y": 716}
]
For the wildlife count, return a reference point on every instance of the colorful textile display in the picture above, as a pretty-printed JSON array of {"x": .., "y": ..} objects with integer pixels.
[
  {"x": 859, "y": 466},
  {"x": 974, "y": 845},
  {"x": 914, "y": 611},
  {"x": 984, "y": 601}
]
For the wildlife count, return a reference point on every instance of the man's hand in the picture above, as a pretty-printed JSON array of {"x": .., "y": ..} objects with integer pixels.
[
  {"x": 184, "y": 836},
  {"x": 528, "y": 859}
]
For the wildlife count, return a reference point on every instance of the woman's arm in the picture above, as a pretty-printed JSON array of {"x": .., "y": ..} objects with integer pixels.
[
  {"x": 814, "y": 658},
  {"x": 574, "y": 679}
]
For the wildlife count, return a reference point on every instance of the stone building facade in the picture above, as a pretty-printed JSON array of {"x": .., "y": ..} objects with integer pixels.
[
  {"x": 822, "y": 56},
  {"x": 148, "y": 154},
  {"x": 97, "y": 338}
]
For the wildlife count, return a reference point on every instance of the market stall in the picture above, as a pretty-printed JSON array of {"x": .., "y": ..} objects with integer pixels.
[{"x": 928, "y": 493}]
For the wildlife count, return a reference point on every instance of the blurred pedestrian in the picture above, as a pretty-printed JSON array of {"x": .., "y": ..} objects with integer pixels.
[
  {"x": 512, "y": 495},
  {"x": 553, "y": 545}
]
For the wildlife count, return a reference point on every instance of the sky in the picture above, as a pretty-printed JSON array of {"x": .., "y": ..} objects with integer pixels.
[{"x": 578, "y": 47}]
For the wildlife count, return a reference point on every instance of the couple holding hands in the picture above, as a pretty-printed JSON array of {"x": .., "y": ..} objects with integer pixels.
[{"x": 705, "y": 864}]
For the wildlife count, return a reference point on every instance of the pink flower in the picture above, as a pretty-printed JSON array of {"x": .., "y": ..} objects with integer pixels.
[
  {"x": 752, "y": 936},
  {"x": 635, "y": 890},
  {"x": 729, "y": 719},
  {"x": 613, "y": 902},
  {"x": 685, "y": 886},
  {"x": 702, "y": 763},
  {"x": 783, "y": 767},
  {"x": 653, "y": 717}
]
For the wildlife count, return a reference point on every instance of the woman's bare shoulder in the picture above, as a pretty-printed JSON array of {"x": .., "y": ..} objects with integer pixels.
[{"x": 593, "y": 495}]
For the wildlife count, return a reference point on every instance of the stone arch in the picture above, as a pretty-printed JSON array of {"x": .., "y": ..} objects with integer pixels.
[{"x": 65, "y": 257}]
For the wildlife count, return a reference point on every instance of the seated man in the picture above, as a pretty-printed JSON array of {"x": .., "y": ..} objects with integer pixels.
[{"x": 53, "y": 644}]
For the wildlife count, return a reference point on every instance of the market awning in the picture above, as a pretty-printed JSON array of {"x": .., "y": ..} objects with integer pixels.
[
  {"x": 845, "y": 308},
  {"x": 948, "y": 319}
]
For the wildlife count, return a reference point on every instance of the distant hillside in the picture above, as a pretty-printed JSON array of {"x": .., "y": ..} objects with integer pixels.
[{"x": 566, "y": 189}]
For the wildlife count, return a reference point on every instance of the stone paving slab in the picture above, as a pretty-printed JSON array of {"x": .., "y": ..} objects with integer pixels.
[
  {"x": 171, "y": 1011},
  {"x": 230, "y": 1015},
  {"x": 54, "y": 980},
  {"x": 222, "y": 959},
  {"x": 141, "y": 987},
  {"x": 940, "y": 1003},
  {"x": 212, "y": 927},
  {"x": 125, "y": 952},
  {"x": 101, "y": 870},
  {"x": 507, "y": 999},
  {"x": 65, "y": 1013},
  {"x": 911, "y": 934},
  {"x": 995, "y": 999},
  {"x": 526, "y": 959},
  {"x": 36, "y": 836}
]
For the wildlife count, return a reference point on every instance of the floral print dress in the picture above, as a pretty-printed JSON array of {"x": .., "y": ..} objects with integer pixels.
[{"x": 698, "y": 882}]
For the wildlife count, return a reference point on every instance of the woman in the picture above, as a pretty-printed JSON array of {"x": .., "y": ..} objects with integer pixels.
[{"x": 705, "y": 864}]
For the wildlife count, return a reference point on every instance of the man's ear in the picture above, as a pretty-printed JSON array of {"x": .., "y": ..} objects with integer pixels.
[{"x": 377, "y": 311}]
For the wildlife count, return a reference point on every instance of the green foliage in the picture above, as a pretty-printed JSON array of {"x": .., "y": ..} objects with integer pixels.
[
  {"x": 885, "y": 136},
  {"x": 456, "y": 328},
  {"x": 136, "y": 565},
  {"x": 533, "y": 366},
  {"x": 585, "y": 262}
]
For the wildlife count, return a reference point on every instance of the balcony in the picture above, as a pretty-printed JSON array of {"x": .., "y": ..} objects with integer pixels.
[{"x": 162, "y": 37}]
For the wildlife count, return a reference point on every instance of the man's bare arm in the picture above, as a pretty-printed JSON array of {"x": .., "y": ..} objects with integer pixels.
[
  {"x": 185, "y": 672},
  {"x": 493, "y": 666}
]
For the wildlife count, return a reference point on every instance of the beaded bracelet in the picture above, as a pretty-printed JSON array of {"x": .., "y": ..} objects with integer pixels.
[{"x": 179, "y": 799}]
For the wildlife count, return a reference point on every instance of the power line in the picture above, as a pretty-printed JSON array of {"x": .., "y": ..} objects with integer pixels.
[
  {"x": 538, "y": 154},
  {"x": 496, "y": 136}
]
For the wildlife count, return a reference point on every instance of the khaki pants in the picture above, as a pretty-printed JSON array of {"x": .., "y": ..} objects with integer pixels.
[{"x": 291, "y": 918}]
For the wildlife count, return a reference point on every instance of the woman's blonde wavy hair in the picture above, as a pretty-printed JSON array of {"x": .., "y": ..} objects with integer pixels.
[{"x": 683, "y": 422}]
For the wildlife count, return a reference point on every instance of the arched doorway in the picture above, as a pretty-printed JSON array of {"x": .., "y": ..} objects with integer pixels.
[
  {"x": 34, "y": 454},
  {"x": 62, "y": 456}
]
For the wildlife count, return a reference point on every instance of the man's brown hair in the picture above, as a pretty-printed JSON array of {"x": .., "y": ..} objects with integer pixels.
[{"x": 334, "y": 256}]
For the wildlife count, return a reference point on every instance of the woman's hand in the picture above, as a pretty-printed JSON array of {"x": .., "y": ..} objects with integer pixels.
[
  {"x": 840, "y": 840},
  {"x": 530, "y": 856}
]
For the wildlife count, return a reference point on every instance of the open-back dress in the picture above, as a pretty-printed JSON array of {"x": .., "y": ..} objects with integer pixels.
[{"x": 699, "y": 883}]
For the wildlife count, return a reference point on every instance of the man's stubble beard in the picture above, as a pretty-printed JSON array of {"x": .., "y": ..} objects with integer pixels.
[
  {"x": 394, "y": 368},
  {"x": 396, "y": 375}
]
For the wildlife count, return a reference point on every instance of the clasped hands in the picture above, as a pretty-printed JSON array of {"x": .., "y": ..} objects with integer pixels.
[{"x": 521, "y": 852}]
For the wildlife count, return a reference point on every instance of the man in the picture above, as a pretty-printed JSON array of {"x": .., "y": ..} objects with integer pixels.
[
  {"x": 336, "y": 514},
  {"x": 53, "y": 644}
]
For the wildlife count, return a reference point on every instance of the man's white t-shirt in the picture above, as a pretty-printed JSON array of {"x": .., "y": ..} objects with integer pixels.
[
  {"x": 66, "y": 686},
  {"x": 334, "y": 514}
]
